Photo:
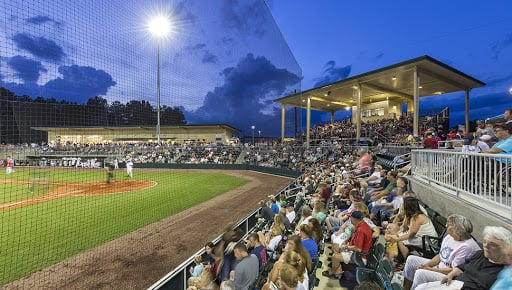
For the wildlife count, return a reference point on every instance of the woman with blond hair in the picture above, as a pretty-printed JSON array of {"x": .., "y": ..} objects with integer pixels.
[
  {"x": 295, "y": 260},
  {"x": 319, "y": 211}
]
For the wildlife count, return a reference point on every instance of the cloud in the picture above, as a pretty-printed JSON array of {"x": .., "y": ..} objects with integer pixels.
[
  {"x": 243, "y": 96},
  {"x": 78, "y": 84},
  {"x": 39, "y": 46},
  {"x": 332, "y": 74},
  {"x": 26, "y": 69},
  {"x": 248, "y": 19},
  {"x": 208, "y": 57},
  {"x": 41, "y": 19},
  {"x": 499, "y": 46},
  {"x": 198, "y": 46}
]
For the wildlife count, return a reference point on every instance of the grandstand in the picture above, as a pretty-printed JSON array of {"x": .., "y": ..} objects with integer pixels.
[{"x": 86, "y": 103}]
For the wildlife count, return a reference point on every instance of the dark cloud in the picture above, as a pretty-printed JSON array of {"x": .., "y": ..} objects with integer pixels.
[
  {"x": 499, "y": 46},
  {"x": 244, "y": 94},
  {"x": 78, "y": 84},
  {"x": 380, "y": 55},
  {"x": 332, "y": 74},
  {"x": 209, "y": 57},
  {"x": 40, "y": 19},
  {"x": 499, "y": 81},
  {"x": 183, "y": 13},
  {"x": 246, "y": 17},
  {"x": 197, "y": 46},
  {"x": 39, "y": 46},
  {"x": 26, "y": 69}
]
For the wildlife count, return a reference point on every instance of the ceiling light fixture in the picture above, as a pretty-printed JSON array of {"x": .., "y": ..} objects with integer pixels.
[{"x": 393, "y": 78}]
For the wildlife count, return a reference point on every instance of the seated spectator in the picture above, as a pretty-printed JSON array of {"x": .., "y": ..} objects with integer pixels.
[
  {"x": 295, "y": 244},
  {"x": 286, "y": 222},
  {"x": 505, "y": 276},
  {"x": 273, "y": 205},
  {"x": 383, "y": 208},
  {"x": 456, "y": 247},
  {"x": 339, "y": 219},
  {"x": 279, "y": 222},
  {"x": 196, "y": 270},
  {"x": 304, "y": 217},
  {"x": 483, "y": 129},
  {"x": 306, "y": 234},
  {"x": 272, "y": 239},
  {"x": 289, "y": 279},
  {"x": 504, "y": 144},
  {"x": 319, "y": 211},
  {"x": 391, "y": 177},
  {"x": 247, "y": 268},
  {"x": 414, "y": 227},
  {"x": 430, "y": 142},
  {"x": 295, "y": 260},
  {"x": 206, "y": 281},
  {"x": 318, "y": 234},
  {"x": 361, "y": 241},
  {"x": 482, "y": 269},
  {"x": 290, "y": 212},
  {"x": 391, "y": 247},
  {"x": 266, "y": 212}
]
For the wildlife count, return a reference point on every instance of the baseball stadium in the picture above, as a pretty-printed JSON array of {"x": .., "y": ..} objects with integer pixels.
[{"x": 176, "y": 150}]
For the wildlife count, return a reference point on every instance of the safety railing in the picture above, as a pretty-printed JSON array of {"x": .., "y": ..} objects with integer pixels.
[{"x": 482, "y": 179}]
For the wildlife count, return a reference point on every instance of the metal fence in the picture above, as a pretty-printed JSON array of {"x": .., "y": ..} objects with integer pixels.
[{"x": 475, "y": 177}]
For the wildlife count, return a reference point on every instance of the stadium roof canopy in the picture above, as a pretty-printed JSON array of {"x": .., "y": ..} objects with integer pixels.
[
  {"x": 391, "y": 82},
  {"x": 395, "y": 82}
]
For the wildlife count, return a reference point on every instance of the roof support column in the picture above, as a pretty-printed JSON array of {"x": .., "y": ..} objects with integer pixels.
[
  {"x": 467, "y": 111},
  {"x": 283, "y": 117},
  {"x": 308, "y": 121},
  {"x": 358, "y": 115},
  {"x": 332, "y": 118},
  {"x": 416, "y": 102}
]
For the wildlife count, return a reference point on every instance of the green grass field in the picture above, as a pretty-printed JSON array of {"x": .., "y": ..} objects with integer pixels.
[{"x": 36, "y": 236}]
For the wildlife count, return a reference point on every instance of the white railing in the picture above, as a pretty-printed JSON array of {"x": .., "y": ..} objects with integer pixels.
[{"x": 481, "y": 179}]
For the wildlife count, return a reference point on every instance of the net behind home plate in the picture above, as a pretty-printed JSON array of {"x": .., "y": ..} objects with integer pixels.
[{"x": 78, "y": 94}]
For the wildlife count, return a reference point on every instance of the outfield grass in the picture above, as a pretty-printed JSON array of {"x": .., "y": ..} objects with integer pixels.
[{"x": 36, "y": 236}]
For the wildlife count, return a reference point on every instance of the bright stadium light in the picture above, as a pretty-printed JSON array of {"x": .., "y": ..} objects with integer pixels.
[
  {"x": 159, "y": 27},
  {"x": 510, "y": 91}
]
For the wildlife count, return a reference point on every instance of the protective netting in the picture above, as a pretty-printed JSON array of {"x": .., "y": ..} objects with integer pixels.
[{"x": 70, "y": 71}]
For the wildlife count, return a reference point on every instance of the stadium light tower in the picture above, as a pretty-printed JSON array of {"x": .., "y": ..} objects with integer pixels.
[
  {"x": 253, "y": 127},
  {"x": 159, "y": 27}
]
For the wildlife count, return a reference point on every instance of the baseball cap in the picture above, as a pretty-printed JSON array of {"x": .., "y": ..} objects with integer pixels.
[
  {"x": 485, "y": 137},
  {"x": 356, "y": 214}
]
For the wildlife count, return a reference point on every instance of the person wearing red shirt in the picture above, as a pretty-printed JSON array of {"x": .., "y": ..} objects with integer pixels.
[{"x": 361, "y": 241}]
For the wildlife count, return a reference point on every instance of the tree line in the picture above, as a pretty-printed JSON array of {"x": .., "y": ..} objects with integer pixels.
[{"x": 19, "y": 113}]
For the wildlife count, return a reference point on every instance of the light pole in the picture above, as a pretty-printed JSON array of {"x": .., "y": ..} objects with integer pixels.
[
  {"x": 259, "y": 135},
  {"x": 159, "y": 27},
  {"x": 253, "y": 127}
]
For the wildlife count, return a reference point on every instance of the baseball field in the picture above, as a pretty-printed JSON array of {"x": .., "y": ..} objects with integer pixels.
[{"x": 49, "y": 215}]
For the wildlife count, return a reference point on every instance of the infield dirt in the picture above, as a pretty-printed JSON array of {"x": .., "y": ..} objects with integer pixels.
[{"x": 139, "y": 259}]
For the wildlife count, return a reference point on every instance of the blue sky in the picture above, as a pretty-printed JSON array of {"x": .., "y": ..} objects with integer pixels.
[
  {"x": 227, "y": 60},
  {"x": 331, "y": 37}
]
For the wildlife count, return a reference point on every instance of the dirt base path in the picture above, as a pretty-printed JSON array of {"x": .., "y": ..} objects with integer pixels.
[
  {"x": 65, "y": 189},
  {"x": 139, "y": 259}
]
